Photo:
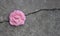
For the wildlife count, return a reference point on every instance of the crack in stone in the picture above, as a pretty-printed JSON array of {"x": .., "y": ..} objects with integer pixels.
[{"x": 53, "y": 9}]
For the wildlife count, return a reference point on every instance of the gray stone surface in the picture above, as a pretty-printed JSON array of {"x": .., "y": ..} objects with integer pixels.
[
  {"x": 43, "y": 23},
  {"x": 52, "y": 3},
  {"x": 26, "y": 5}
]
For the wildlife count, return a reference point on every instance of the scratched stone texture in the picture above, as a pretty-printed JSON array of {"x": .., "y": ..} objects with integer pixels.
[{"x": 43, "y": 23}]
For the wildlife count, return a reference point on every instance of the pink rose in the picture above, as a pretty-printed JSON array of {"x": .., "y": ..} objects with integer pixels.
[{"x": 17, "y": 18}]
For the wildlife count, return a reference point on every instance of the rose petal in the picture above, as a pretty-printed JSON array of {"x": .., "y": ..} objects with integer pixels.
[{"x": 17, "y": 18}]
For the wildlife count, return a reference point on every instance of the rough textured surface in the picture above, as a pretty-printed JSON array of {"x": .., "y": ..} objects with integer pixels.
[
  {"x": 52, "y": 3},
  {"x": 43, "y": 23}
]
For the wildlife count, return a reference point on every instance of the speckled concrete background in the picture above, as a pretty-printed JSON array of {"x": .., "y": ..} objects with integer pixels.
[{"x": 43, "y": 23}]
